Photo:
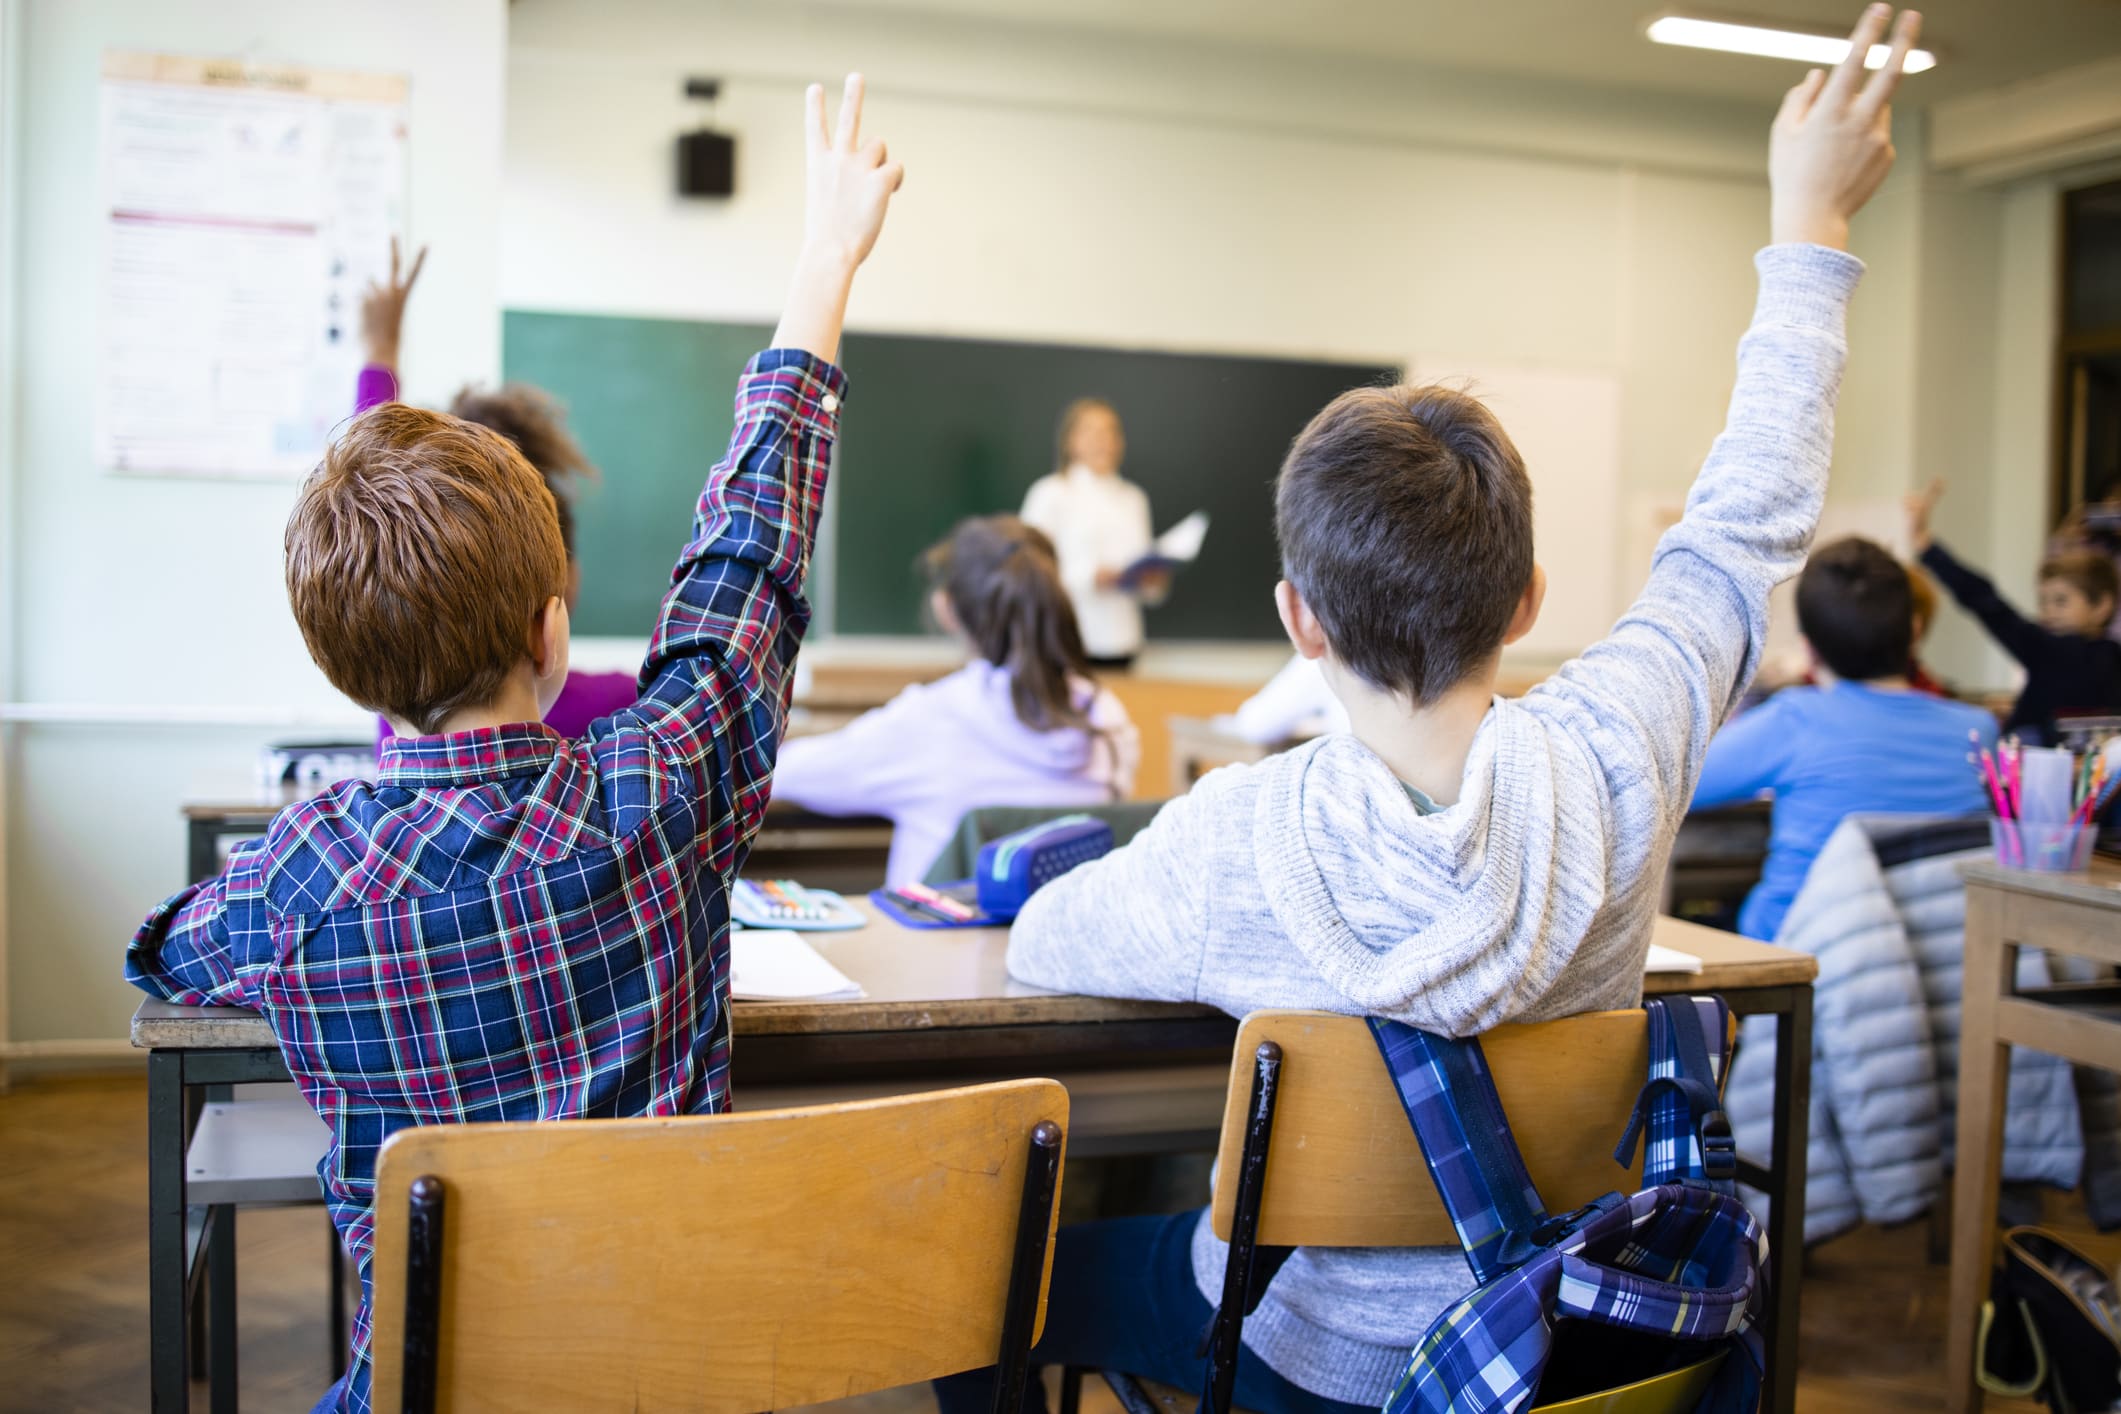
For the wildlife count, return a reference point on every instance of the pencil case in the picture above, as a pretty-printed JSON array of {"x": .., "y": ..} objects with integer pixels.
[{"x": 1014, "y": 867}]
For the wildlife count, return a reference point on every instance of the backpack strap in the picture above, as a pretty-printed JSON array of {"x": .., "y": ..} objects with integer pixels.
[
  {"x": 1681, "y": 1105},
  {"x": 1450, "y": 1099}
]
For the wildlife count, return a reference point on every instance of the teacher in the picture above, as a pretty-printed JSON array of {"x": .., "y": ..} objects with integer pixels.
[{"x": 1099, "y": 524}]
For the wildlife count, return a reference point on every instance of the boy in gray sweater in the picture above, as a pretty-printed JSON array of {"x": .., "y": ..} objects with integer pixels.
[{"x": 1457, "y": 860}]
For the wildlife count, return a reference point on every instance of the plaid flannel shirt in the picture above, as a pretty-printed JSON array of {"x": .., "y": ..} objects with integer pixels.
[{"x": 508, "y": 925}]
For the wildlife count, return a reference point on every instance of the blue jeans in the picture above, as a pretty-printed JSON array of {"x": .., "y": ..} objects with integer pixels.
[{"x": 1123, "y": 1298}]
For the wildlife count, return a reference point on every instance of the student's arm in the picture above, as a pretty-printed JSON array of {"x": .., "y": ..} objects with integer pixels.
[
  {"x": 1655, "y": 690},
  {"x": 190, "y": 949},
  {"x": 1748, "y": 756},
  {"x": 1652, "y": 693},
  {"x": 2016, "y": 634},
  {"x": 714, "y": 686},
  {"x": 382, "y": 320},
  {"x": 1132, "y": 924}
]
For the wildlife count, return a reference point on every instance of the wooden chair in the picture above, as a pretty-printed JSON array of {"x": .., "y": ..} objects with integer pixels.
[
  {"x": 1311, "y": 1104},
  {"x": 716, "y": 1263}
]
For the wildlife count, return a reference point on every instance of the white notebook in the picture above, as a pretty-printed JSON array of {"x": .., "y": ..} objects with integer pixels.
[
  {"x": 1663, "y": 959},
  {"x": 774, "y": 965}
]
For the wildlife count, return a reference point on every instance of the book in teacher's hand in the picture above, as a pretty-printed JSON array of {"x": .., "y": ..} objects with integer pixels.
[{"x": 1169, "y": 552}]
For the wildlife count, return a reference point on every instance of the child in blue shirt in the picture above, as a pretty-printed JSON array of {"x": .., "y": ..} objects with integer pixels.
[{"x": 1863, "y": 740}]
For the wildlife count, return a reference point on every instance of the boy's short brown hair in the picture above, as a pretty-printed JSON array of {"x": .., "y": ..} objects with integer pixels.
[
  {"x": 536, "y": 422},
  {"x": 1405, "y": 519},
  {"x": 2091, "y": 573},
  {"x": 418, "y": 554}
]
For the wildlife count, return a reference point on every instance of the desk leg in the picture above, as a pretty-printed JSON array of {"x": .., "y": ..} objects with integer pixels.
[
  {"x": 341, "y": 1331},
  {"x": 165, "y": 1232},
  {"x": 1984, "y": 1082},
  {"x": 1788, "y": 1161},
  {"x": 221, "y": 1309},
  {"x": 196, "y": 1099}
]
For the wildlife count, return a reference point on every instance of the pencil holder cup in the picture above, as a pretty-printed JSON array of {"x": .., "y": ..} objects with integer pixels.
[{"x": 2056, "y": 848}]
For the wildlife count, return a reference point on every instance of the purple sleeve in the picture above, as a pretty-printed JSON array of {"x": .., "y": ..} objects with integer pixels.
[
  {"x": 584, "y": 697},
  {"x": 376, "y": 384}
]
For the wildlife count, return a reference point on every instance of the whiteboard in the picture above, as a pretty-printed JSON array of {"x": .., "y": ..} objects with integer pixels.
[
  {"x": 1566, "y": 425},
  {"x": 245, "y": 207}
]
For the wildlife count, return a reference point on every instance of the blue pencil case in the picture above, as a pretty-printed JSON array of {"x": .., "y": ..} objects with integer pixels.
[
  {"x": 1014, "y": 867},
  {"x": 1010, "y": 870}
]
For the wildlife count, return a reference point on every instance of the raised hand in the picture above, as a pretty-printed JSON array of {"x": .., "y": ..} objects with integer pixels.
[
  {"x": 848, "y": 189},
  {"x": 1832, "y": 142},
  {"x": 1919, "y": 505},
  {"x": 851, "y": 182},
  {"x": 383, "y": 310}
]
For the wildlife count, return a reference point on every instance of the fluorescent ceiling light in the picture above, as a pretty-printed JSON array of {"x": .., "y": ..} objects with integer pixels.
[{"x": 1735, "y": 38}]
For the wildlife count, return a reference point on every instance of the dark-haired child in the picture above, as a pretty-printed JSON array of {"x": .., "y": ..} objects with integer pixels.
[
  {"x": 2071, "y": 664},
  {"x": 534, "y": 421},
  {"x": 1862, "y": 740},
  {"x": 1021, "y": 724}
]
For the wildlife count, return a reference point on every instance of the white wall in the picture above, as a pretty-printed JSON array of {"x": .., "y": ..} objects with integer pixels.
[
  {"x": 166, "y": 594},
  {"x": 1151, "y": 194}
]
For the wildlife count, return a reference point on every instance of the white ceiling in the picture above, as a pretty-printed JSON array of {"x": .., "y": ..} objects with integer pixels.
[{"x": 1980, "y": 43}]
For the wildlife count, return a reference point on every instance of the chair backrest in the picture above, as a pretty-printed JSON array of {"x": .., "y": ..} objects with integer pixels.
[
  {"x": 1343, "y": 1166},
  {"x": 730, "y": 1262}
]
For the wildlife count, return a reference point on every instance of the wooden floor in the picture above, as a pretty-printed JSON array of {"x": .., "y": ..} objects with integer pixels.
[{"x": 73, "y": 1288}]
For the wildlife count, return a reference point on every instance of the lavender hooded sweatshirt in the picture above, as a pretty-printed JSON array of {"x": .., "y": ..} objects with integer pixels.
[{"x": 942, "y": 748}]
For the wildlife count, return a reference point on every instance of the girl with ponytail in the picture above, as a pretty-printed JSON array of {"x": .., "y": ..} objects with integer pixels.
[{"x": 1021, "y": 724}]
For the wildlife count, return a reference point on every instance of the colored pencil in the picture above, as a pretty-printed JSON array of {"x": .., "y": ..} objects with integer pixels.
[
  {"x": 940, "y": 902},
  {"x": 914, "y": 906}
]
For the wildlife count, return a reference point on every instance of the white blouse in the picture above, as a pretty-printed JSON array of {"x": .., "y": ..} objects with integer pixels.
[{"x": 1095, "y": 522}]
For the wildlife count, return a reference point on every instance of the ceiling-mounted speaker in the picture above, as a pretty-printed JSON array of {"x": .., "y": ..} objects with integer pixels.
[{"x": 706, "y": 159}]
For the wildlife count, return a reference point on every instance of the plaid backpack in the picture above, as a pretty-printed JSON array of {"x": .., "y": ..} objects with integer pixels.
[{"x": 1624, "y": 1288}]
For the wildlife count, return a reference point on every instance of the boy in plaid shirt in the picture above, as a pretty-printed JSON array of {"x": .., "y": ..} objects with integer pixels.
[{"x": 508, "y": 925}]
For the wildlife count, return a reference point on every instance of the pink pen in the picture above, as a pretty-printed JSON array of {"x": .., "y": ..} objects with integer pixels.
[{"x": 1995, "y": 787}]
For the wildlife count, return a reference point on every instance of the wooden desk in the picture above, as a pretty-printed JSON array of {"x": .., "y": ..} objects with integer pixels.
[
  {"x": 827, "y": 851},
  {"x": 2006, "y": 909},
  {"x": 1198, "y": 746},
  {"x": 941, "y": 1009}
]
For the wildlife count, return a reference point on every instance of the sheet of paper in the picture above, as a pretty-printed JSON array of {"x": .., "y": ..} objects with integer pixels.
[
  {"x": 1663, "y": 959},
  {"x": 245, "y": 209},
  {"x": 1182, "y": 541},
  {"x": 774, "y": 965}
]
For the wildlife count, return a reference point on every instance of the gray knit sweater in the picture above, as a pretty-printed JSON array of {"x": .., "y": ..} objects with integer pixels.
[{"x": 1311, "y": 880}]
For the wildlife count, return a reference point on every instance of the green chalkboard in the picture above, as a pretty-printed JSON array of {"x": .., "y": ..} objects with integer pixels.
[
  {"x": 935, "y": 429},
  {"x": 651, "y": 401}
]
